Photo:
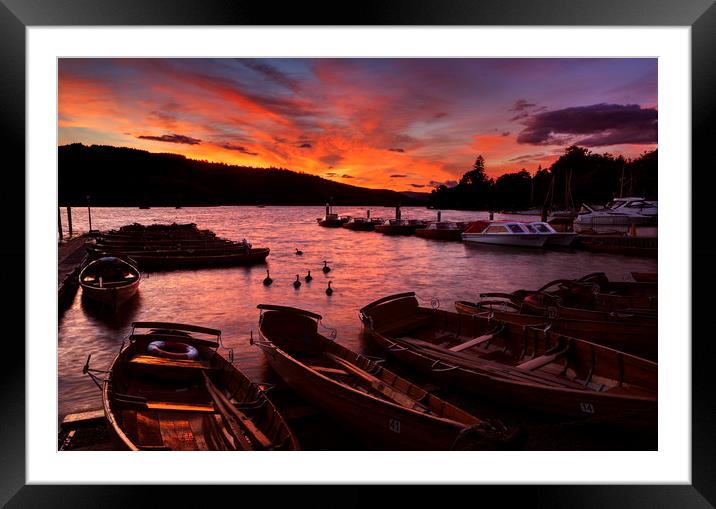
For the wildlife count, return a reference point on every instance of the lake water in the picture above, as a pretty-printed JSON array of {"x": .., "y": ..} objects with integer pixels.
[{"x": 365, "y": 266}]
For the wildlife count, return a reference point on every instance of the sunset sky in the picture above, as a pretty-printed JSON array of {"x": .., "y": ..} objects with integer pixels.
[{"x": 402, "y": 124}]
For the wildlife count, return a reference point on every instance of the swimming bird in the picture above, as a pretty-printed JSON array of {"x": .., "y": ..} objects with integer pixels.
[
  {"x": 299, "y": 252},
  {"x": 297, "y": 283},
  {"x": 329, "y": 290},
  {"x": 308, "y": 277},
  {"x": 326, "y": 268},
  {"x": 267, "y": 279}
]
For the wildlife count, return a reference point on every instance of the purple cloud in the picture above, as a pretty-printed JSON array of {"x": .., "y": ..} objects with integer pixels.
[
  {"x": 592, "y": 126},
  {"x": 521, "y": 105}
]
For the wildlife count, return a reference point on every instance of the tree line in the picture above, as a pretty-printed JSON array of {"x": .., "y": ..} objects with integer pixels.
[
  {"x": 578, "y": 176},
  {"x": 120, "y": 176}
]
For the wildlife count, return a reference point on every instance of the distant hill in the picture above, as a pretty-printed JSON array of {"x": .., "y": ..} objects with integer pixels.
[
  {"x": 118, "y": 176},
  {"x": 418, "y": 196}
]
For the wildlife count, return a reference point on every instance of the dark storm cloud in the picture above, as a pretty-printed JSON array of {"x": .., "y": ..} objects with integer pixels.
[
  {"x": 172, "y": 138},
  {"x": 418, "y": 185},
  {"x": 592, "y": 126},
  {"x": 238, "y": 148}
]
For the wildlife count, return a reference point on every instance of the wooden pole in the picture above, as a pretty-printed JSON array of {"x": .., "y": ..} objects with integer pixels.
[
  {"x": 69, "y": 219},
  {"x": 89, "y": 213},
  {"x": 59, "y": 222}
]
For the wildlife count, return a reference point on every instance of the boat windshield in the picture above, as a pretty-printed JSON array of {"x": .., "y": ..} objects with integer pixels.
[
  {"x": 541, "y": 227},
  {"x": 530, "y": 228},
  {"x": 516, "y": 228}
]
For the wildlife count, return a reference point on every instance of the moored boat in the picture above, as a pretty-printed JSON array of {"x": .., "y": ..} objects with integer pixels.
[
  {"x": 442, "y": 230},
  {"x": 400, "y": 226},
  {"x": 636, "y": 337},
  {"x": 180, "y": 259},
  {"x": 110, "y": 280},
  {"x": 378, "y": 405},
  {"x": 504, "y": 233},
  {"x": 554, "y": 238},
  {"x": 360, "y": 224},
  {"x": 169, "y": 389},
  {"x": 528, "y": 367},
  {"x": 620, "y": 211}
]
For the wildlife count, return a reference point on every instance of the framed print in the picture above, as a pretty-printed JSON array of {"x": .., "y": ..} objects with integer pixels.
[{"x": 422, "y": 236}]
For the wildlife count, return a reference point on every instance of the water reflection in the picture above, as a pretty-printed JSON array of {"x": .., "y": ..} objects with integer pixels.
[{"x": 364, "y": 266}]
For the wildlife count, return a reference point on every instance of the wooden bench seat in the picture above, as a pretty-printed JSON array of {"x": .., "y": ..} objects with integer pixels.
[
  {"x": 331, "y": 371},
  {"x": 473, "y": 342},
  {"x": 540, "y": 361},
  {"x": 163, "y": 362}
]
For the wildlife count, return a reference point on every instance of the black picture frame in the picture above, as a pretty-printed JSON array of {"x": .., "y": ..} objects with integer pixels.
[{"x": 17, "y": 15}]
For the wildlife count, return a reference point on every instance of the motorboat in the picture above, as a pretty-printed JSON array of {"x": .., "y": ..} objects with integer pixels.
[
  {"x": 620, "y": 211},
  {"x": 554, "y": 238},
  {"x": 505, "y": 233}
]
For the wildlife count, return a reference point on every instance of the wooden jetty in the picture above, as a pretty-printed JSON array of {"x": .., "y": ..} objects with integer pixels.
[
  {"x": 619, "y": 244},
  {"x": 70, "y": 256}
]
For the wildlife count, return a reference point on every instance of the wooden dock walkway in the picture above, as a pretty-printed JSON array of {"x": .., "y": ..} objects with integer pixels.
[{"x": 69, "y": 257}]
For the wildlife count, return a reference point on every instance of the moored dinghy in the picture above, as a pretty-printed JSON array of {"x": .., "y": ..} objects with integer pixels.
[
  {"x": 637, "y": 337},
  {"x": 169, "y": 389},
  {"x": 110, "y": 280},
  {"x": 374, "y": 402},
  {"x": 519, "y": 365}
]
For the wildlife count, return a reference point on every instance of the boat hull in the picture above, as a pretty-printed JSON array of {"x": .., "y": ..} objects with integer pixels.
[
  {"x": 373, "y": 422},
  {"x": 361, "y": 227},
  {"x": 396, "y": 229},
  {"x": 113, "y": 297},
  {"x": 630, "y": 402},
  {"x": 451, "y": 235},
  {"x": 561, "y": 239},
  {"x": 183, "y": 260},
  {"x": 516, "y": 239},
  {"x": 636, "y": 338},
  {"x": 133, "y": 428}
]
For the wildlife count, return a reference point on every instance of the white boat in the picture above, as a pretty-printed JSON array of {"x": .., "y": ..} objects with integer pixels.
[
  {"x": 554, "y": 238},
  {"x": 620, "y": 211},
  {"x": 505, "y": 233}
]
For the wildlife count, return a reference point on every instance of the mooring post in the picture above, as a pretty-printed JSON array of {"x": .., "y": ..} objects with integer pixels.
[
  {"x": 69, "y": 219},
  {"x": 59, "y": 221},
  {"x": 89, "y": 213},
  {"x": 492, "y": 215},
  {"x": 397, "y": 213},
  {"x": 368, "y": 214},
  {"x": 440, "y": 214}
]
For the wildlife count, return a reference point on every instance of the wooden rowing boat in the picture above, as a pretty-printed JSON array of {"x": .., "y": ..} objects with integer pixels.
[
  {"x": 593, "y": 292},
  {"x": 637, "y": 337},
  {"x": 524, "y": 366},
  {"x": 380, "y": 406},
  {"x": 111, "y": 280},
  {"x": 197, "y": 402}
]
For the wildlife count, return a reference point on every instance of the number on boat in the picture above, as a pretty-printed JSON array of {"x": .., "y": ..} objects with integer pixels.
[
  {"x": 587, "y": 408},
  {"x": 394, "y": 425}
]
